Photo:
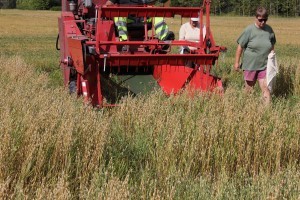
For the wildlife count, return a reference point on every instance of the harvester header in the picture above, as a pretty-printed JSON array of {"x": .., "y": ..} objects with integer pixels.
[{"x": 100, "y": 65}]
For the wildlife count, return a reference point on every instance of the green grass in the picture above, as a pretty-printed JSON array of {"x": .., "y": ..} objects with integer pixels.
[
  {"x": 32, "y": 35},
  {"x": 150, "y": 147}
]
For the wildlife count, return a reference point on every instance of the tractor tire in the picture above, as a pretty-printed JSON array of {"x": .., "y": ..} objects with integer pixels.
[{"x": 72, "y": 86}]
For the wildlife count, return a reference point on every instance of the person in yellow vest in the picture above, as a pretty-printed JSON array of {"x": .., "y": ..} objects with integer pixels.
[{"x": 161, "y": 28}]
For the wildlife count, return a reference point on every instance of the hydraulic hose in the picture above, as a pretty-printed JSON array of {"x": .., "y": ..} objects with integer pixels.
[{"x": 57, "y": 42}]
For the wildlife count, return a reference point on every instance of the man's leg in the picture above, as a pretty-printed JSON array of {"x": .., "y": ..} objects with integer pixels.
[
  {"x": 121, "y": 24},
  {"x": 262, "y": 80},
  {"x": 249, "y": 85},
  {"x": 162, "y": 30},
  {"x": 265, "y": 91},
  {"x": 250, "y": 80}
]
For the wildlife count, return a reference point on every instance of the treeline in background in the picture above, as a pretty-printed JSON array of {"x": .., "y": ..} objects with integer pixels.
[
  {"x": 31, "y": 4},
  {"x": 288, "y": 8}
]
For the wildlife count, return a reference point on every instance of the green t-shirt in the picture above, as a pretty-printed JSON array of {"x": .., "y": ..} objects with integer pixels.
[{"x": 257, "y": 44}]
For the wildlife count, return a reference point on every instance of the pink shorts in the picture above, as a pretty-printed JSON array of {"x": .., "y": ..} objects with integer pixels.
[{"x": 254, "y": 75}]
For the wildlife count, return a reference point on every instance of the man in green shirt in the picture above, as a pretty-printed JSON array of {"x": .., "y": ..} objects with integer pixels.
[{"x": 256, "y": 42}]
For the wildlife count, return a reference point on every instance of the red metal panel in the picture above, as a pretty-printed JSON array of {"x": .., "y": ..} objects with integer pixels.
[
  {"x": 106, "y": 33},
  {"x": 171, "y": 78},
  {"x": 203, "y": 81},
  {"x": 71, "y": 29},
  {"x": 66, "y": 16},
  {"x": 174, "y": 78},
  {"x": 76, "y": 53},
  {"x": 63, "y": 51},
  {"x": 92, "y": 77},
  {"x": 149, "y": 42},
  {"x": 99, "y": 2},
  {"x": 67, "y": 28},
  {"x": 124, "y": 11},
  {"x": 159, "y": 59},
  {"x": 89, "y": 86}
]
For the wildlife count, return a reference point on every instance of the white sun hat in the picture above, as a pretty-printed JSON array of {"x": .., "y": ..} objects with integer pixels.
[{"x": 195, "y": 19}]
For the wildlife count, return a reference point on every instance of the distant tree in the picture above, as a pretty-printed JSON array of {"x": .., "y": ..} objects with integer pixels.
[
  {"x": 298, "y": 8},
  {"x": 7, "y": 4},
  {"x": 186, "y": 3},
  {"x": 34, "y": 4},
  {"x": 286, "y": 8},
  {"x": 11, "y": 3},
  {"x": 221, "y": 6},
  {"x": 295, "y": 5}
]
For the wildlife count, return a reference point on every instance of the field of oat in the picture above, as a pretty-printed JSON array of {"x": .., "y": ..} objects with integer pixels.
[{"x": 150, "y": 147}]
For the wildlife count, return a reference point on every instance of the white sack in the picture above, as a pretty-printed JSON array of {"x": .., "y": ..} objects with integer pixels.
[{"x": 272, "y": 70}]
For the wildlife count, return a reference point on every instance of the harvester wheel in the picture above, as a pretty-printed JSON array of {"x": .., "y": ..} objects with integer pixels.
[
  {"x": 72, "y": 86},
  {"x": 73, "y": 81}
]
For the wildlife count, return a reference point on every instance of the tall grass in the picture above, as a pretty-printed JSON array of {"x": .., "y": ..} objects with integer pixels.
[
  {"x": 32, "y": 35},
  {"x": 150, "y": 147},
  {"x": 43, "y": 131},
  {"x": 53, "y": 146}
]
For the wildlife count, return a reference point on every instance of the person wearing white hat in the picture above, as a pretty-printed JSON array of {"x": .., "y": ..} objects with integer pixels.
[{"x": 190, "y": 31}]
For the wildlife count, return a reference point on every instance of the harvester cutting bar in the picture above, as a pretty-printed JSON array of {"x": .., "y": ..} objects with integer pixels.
[{"x": 124, "y": 11}]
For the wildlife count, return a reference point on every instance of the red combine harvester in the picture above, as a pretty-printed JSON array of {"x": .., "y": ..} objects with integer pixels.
[{"x": 94, "y": 65}]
